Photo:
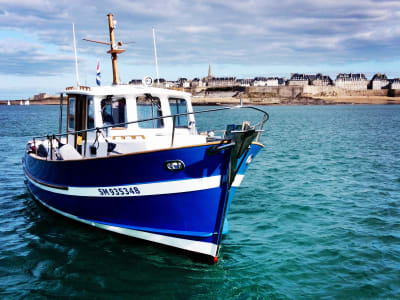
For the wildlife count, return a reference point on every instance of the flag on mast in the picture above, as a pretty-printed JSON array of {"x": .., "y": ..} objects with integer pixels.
[{"x": 98, "y": 74}]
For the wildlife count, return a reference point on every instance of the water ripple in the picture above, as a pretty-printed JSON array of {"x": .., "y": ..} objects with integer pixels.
[{"x": 317, "y": 217}]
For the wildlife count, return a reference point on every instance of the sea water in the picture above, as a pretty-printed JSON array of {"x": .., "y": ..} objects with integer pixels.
[{"x": 317, "y": 216}]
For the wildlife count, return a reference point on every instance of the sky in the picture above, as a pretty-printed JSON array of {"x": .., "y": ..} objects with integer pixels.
[{"x": 245, "y": 39}]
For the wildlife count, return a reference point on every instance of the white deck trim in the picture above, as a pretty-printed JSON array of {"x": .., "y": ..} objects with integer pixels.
[{"x": 135, "y": 190}]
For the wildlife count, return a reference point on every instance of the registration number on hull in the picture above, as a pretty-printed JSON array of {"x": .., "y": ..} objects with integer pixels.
[{"x": 119, "y": 191}]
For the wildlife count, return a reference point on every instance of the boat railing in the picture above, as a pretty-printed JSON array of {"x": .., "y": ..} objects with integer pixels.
[{"x": 55, "y": 137}]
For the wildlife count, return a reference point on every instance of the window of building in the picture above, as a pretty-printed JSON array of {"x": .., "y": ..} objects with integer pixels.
[
  {"x": 149, "y": 107},
  {"x": 113, "y": 111},
  {"x": 179, "y": 106}
]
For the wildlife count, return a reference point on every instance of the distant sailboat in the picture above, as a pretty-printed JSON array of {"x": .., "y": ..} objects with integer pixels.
[
  {"x": 26, "y": 102},
  {"x": 8, "y": 102},
  {"x": 21, "y": 103}
]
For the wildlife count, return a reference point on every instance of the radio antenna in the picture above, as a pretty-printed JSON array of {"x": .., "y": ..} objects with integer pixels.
[
  {"x": 76, "y": 56},
  {"x": 155, "y": 55}
]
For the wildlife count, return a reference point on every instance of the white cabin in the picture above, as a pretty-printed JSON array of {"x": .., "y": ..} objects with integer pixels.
[{"x": 95, "y": 107}]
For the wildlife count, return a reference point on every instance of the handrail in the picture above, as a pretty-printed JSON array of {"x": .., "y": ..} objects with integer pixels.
[
  {"x": 264, "y": 119},
  {"x": 173, "y": 130}
]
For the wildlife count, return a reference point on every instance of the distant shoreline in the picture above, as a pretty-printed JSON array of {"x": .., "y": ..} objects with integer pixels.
[
  {"x": 373, "y": 100},
  {"x": 203, "y": 101},
  {"x": 275, "y": 95}
]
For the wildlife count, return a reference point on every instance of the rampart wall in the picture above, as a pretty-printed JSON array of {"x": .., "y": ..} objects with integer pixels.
[{"x": 323, "y": 91}]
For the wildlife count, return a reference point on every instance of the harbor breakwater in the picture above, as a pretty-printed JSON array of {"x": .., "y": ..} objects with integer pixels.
[{"x": 47, "y": 100}]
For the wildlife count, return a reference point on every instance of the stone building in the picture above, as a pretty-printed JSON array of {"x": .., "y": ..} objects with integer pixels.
[
  {"x": 221, "y": 82},
  {"x": 320, "y": 80},
  {"x": 40, "y": 96},
  {"x": 159, "y": 82},
  {"x": 272, "y": 81},
  {"x": 309, "y": 79},
  {"x": 395, "y": 84},
  {"x": 171, "y": 84},
  {"x": 196, "y": 82},
  {"x": 380, "y": 81},
  {"x": 352, "y": 81},
  {"x": 136, "y": 82},
  {"x": 298, "y": 79},
  {"x": 183, "y": 82},
  {"x": 244, "y": 82},
  {"x": 260, "y": 81}
]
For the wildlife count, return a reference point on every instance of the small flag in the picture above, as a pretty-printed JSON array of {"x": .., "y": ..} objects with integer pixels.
[{"x": 98, "y": 74}]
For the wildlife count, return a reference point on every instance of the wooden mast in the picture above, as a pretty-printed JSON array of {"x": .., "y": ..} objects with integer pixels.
[{"x": 114, "y": 51}]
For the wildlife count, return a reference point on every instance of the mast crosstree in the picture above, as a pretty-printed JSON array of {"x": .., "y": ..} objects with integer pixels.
[{"x": 114, "y": 48}]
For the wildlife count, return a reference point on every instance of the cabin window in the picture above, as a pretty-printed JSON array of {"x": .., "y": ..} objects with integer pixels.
[
  {"x": 178, "y": 106},
  {"x": 90, "y": 113},
  {"x": 71, "y": 114},
  {"x": 149, "y": 107},
  {"x": 113, "y": 111}
]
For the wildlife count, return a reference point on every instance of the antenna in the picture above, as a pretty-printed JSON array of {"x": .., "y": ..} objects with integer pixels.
[
  {"x": 155, "y": 55},
  {"x": 76, "y": 56}
]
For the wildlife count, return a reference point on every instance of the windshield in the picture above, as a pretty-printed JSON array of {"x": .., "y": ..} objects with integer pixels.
[
  {"x": 113, "y": 110},
  {"x": 149, "y": 107}
]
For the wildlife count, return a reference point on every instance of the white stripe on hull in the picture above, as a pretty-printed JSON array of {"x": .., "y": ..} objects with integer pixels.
[
  {"x": 238, "y": 180},
  {"x": 194, "y": 246},
  {"x": 147, "y": 189}
]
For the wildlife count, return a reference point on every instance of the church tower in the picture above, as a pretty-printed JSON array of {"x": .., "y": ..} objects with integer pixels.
[
  {"x": 209, "y": 72},
  {"x": 210, "y": 75}
]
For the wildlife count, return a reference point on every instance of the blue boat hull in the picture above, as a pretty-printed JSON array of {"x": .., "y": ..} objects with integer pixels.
[{"x": 137, "y": 195}]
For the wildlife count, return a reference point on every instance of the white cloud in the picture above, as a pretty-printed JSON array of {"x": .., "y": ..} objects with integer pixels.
[
  {"x": 197, "y": 29},
  {"x": 241, "y": 33}
]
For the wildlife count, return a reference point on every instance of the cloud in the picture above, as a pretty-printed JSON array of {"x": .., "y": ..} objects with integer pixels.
[
  {"x": 241, "y": 33},
  {"x": 197, "y": 29},
  {"x": 19, "y": 57}
]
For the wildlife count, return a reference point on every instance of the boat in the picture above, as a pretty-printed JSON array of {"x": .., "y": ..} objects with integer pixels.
[{"x": 132, "y": 161}]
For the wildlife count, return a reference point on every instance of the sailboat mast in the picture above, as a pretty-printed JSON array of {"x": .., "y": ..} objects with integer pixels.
[
  {"x": 76, "y": 56},
  {"x": 155, "y": 55}
]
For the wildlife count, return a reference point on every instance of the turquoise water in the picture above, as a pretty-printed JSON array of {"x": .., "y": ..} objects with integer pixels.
[{"x": 317, "y": 216}]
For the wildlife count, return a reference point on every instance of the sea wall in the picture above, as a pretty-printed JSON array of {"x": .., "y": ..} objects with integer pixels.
[
  {"x": 298, "y": 91},
  {"x": 49, "y": 100},
  {"x": 331, "y": 91},
  {"x": 274, "y": 91}
]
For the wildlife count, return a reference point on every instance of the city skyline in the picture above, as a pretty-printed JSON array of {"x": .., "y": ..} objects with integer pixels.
[{"x": 244, "y": 39}]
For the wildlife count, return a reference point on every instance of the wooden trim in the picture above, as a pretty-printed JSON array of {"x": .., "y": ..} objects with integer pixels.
[
  {"x": 125, "y": 154},
  {"x": 119, "y": 128},
  {"x": 33, "y": 155},
  {"x": 116, "y": 51},
  {"x": 259, "y": 144}
]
